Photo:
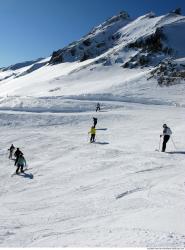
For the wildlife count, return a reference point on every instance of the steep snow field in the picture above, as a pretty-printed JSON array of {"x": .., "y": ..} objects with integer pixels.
[
  {"x": 52, "y": 88},
  {"x": 118, "y": 192}
]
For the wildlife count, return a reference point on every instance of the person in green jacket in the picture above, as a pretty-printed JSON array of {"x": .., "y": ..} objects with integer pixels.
[
  {"x": 93, "y": 134},
  {"x": 21, "y": 163}
]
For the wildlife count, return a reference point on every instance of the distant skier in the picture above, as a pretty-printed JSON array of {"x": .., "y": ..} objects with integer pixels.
[
  {"x": 93, "y": 134},
  {"x": 95, "y": 121},
  {"x": 21, "y": 163},
  {"x": 11, "y": 149},
  {"x": 16, "y": 154},
  {"x": 98, "y": 107},
  {"x": 166, "y": 136}
]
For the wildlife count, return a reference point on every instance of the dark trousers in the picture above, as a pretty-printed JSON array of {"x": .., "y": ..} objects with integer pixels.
[
  {"x": 92, "y": 138},
  {"x": 19, "y": 166},
  {"x": 97, "y": 109},
  {"x": 95, "y": 124},
  {"x": 165, "y": 140}
]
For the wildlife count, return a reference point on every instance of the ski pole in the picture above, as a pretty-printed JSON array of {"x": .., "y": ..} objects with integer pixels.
[
  {"x": 159, "y": 143},
  {"x": 88, "y": 137},
  {"x": 173, "y": 143}
]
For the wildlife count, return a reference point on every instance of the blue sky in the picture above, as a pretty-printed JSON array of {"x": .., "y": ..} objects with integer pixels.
[{"x": 34, "y": 28}]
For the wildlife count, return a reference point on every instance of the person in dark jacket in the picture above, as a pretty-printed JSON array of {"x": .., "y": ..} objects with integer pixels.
[
  {"x": 95, "y": 121},
  {"x": 11, "y": 149},
  {"x": 16, "y": 154},
  {"x": 98, "y": 107},
  {"x": 166, "y": 136},
  {"x": 21, "y": 162}
]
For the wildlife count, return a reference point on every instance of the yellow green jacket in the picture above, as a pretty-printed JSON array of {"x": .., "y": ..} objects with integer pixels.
[{"x": 92, "y": 131}]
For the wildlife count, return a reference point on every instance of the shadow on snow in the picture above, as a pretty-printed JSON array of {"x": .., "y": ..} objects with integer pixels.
[
  {"x": 101, "y": 143},
  {"x": 25, "y": 175},
  {"x": 176, "y": 152}
]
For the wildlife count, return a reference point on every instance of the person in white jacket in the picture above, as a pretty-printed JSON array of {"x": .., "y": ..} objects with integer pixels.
[{"x": 166, "y": 136}]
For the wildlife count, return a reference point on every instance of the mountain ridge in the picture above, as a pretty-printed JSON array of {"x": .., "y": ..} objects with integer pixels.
[{"x": 132, "y": 50}]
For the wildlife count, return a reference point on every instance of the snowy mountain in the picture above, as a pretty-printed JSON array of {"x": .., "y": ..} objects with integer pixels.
[
  {"x": 148, "y": 38},
  {"x": 119, "y": 191},
  {"x": 117, "y": 44},
  {"x": 97, "y": 42}
]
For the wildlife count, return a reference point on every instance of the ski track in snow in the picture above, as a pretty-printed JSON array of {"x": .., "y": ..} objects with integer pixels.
[{"x": 118, "y": 192}]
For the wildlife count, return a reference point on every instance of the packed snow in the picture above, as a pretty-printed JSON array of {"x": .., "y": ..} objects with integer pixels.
[{"x": 118, "y": 192}]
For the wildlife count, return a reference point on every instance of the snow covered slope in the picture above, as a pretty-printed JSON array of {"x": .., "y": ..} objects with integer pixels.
[
  {"x": 117, "y": 34},
  {"x": 117, "y": 192}
]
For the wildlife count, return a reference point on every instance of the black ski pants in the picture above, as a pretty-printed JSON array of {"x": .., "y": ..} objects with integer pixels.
[
  {"x": 165, "y": 140},
  {"x": 92, "y": 138},
  {"x": 19, "y": 166}
]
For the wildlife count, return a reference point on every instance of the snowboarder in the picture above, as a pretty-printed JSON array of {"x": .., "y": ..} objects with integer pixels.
[
  {"x": 95, "y": 121},
  {"x": 166, "y": 136},
  {"x": 11, "y": 149},
  {"x": 93, "y": 134},
  {"x": 98, "y": 107},
  {"x": 16, "y": 154},
  {"x": 21, "y": 162}
]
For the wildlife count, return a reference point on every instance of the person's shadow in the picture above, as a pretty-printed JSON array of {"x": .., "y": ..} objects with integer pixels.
[
  {"x": 176, "y": 152},
  {"x": 26, "y": 175},
  {"x": 101, "y": 129},
  {"x": 101, "y": 143}
]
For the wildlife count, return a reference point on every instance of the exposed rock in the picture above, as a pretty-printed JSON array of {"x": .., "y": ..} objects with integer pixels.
[{"x": 169, "y": 73}]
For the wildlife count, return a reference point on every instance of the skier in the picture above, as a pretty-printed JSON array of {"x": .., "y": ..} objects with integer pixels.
[
  {"x": 93, "y": 134},
  {"x": 98, "y": 107},
  {"x": 95, "y": 121},
  {"x": 16, "y": 154},
  {"x": 21, "y": 162},
  {"x": 166, "y": 136},
  {"x": 11, "y": 149}
]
